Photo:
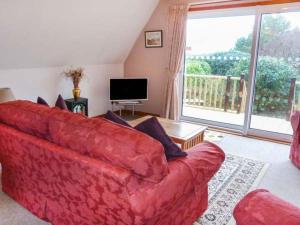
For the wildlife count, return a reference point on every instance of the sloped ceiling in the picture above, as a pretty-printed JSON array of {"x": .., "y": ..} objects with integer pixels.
[{"x": 45, "y": 33}]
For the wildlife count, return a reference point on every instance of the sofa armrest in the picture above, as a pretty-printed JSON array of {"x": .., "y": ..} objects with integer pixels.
[
  {"x": 187, "y": 175},
  {"x": 203, "y": 160},
  {"x": 260, "y": 207},
  {"x": 206, "y": 155}
]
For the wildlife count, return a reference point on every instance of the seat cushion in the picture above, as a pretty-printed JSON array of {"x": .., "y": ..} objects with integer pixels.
[
  {"x": 111, "y": 142},
  {"x": 26, "y": 116}
]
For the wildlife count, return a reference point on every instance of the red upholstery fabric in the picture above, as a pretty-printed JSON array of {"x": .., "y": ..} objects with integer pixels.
[
  {"x": 110, "y": 142},
  {"x": 260, "y": 207},
  {"x": 184, "y": 212},
  {"x": 60, "y": 185},
  {"x": 295, "y": 146},
  {"x": 26, "y": 116},
  {"x": 203, "y": 161},
  {"x": 66, "y": 187},
  {"x": 190, "y": 174}
]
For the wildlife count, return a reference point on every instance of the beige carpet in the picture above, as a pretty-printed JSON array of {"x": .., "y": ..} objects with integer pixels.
[{"x": 11, "y": 213}]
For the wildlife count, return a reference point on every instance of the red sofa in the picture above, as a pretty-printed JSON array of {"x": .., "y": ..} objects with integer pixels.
[
  {"x": 295, "y": 145},
  {"x": 260, "y": 207},
  {"x": 68, "y": 169}
]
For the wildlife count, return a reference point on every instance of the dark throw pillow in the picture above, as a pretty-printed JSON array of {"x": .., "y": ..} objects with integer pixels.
[
  {"x": 41, "y": 101},
  {"x": 60, "y": 103},
  {"x": 115, "y": 118},
  {"x": 153, "y": 128}
]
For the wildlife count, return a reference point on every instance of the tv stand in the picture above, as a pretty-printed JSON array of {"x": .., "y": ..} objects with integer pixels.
[{"x": 126, "y": 103}]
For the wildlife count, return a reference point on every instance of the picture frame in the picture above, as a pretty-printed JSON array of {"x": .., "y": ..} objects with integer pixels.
[{"x": 154, "y": 39}]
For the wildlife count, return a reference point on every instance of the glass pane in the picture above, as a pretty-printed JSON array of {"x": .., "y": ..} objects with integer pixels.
[
  {"x": 217, "y": 68},
  {"x": 277, "y": 84}
]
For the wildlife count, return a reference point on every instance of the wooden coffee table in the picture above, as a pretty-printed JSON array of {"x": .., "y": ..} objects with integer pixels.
[{"x": 185, "y": 134}]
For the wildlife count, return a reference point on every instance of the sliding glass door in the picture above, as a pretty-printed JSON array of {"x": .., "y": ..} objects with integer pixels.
[
  {"x": 242, "y": 69},
  {"x": 277, "y": 86},
  {"x": 214, "y": 88}
]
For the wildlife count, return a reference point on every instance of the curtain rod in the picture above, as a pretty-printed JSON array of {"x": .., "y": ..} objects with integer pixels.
[
  {"x": 235, "y": 3},
  {"x": 203, "y": 3}
]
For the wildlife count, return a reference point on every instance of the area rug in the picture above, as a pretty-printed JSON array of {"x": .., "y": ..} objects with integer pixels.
[{"x": 233, "y": 181}]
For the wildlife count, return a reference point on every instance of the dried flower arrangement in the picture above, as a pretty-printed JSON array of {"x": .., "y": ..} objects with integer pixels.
[{"x": 76, "y": 75}]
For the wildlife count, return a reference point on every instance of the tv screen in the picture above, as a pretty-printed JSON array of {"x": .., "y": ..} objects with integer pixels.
[{"x": 128, "y": 89}]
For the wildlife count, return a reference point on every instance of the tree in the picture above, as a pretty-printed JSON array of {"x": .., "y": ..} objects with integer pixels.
[
  {"x": 286, "y": 45},
  {"x": 244, "y": 44},
  {"x": 272, "y": 27}
]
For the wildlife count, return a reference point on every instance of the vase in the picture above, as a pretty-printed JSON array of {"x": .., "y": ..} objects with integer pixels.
[{"x": 76, "y": 93}]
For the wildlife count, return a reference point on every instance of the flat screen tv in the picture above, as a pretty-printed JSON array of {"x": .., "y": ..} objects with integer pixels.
[{"x": 133, "y": 89}]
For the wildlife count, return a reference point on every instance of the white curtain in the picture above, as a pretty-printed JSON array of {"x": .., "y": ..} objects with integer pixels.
[{"x": 177, "y": 36}]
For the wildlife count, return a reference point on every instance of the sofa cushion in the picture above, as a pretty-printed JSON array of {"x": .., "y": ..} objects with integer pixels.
[
  {"x": 60, "y": 103},
  {"x": 115, "y": 118},
  {"x": 26, "y": 116},
  {"x": 110, "y": 142},
  {"x": 41, "y": 101},
  {"x": 153, "y": 128}
]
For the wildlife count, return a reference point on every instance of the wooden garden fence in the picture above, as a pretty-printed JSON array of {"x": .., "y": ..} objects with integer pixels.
[
  {"x": 228, "y": 93},
  {"x": 215, "y": 92}
]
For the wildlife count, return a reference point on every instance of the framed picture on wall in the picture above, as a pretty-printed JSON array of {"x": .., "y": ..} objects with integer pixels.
[{"x": 154, "y": 39}]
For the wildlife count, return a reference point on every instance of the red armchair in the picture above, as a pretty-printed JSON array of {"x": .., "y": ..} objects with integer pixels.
[
  {"x": 260, "y": 207},
  {"x": 295, "y": 146},
  {"x": 70, "y": 170}
]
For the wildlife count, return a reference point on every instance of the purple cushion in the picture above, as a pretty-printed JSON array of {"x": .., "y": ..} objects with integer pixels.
[
  {"x": 153, "y": 128},
  {"x": 60, "y": 103},
  {"x": 115, "y": 118},
  {"x": 41, "y": 101}
]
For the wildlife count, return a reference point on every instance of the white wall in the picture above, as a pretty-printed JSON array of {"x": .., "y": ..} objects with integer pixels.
[
  {"x": 49, "y": 82},
  {"x": 47, "y": 33}
]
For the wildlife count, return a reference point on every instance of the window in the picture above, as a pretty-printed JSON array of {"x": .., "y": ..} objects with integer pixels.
[{"x": 243, "y": 69}]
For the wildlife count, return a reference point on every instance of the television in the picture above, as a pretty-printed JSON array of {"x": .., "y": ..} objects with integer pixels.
[{"x": 131, "y": 89}]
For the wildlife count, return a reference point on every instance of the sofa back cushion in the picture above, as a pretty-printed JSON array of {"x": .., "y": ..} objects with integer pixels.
[
  {"x": 26, "y": 116},
  {"x": 110, "y": 142}
]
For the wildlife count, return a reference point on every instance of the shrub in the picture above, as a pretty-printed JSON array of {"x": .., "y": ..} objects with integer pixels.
[
  {"x": 197, "y": 67},
  {"x": 273, "y": 80}
]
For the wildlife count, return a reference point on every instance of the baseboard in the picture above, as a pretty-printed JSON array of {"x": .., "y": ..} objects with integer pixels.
[
  {"x": 129, "y": 112},
  {"x": 238, "y": 133},
  {"x": 140, "y": 113}
]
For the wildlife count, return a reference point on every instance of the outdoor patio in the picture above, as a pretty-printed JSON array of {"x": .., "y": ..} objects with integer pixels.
[{"x": 257, "y": 122}]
